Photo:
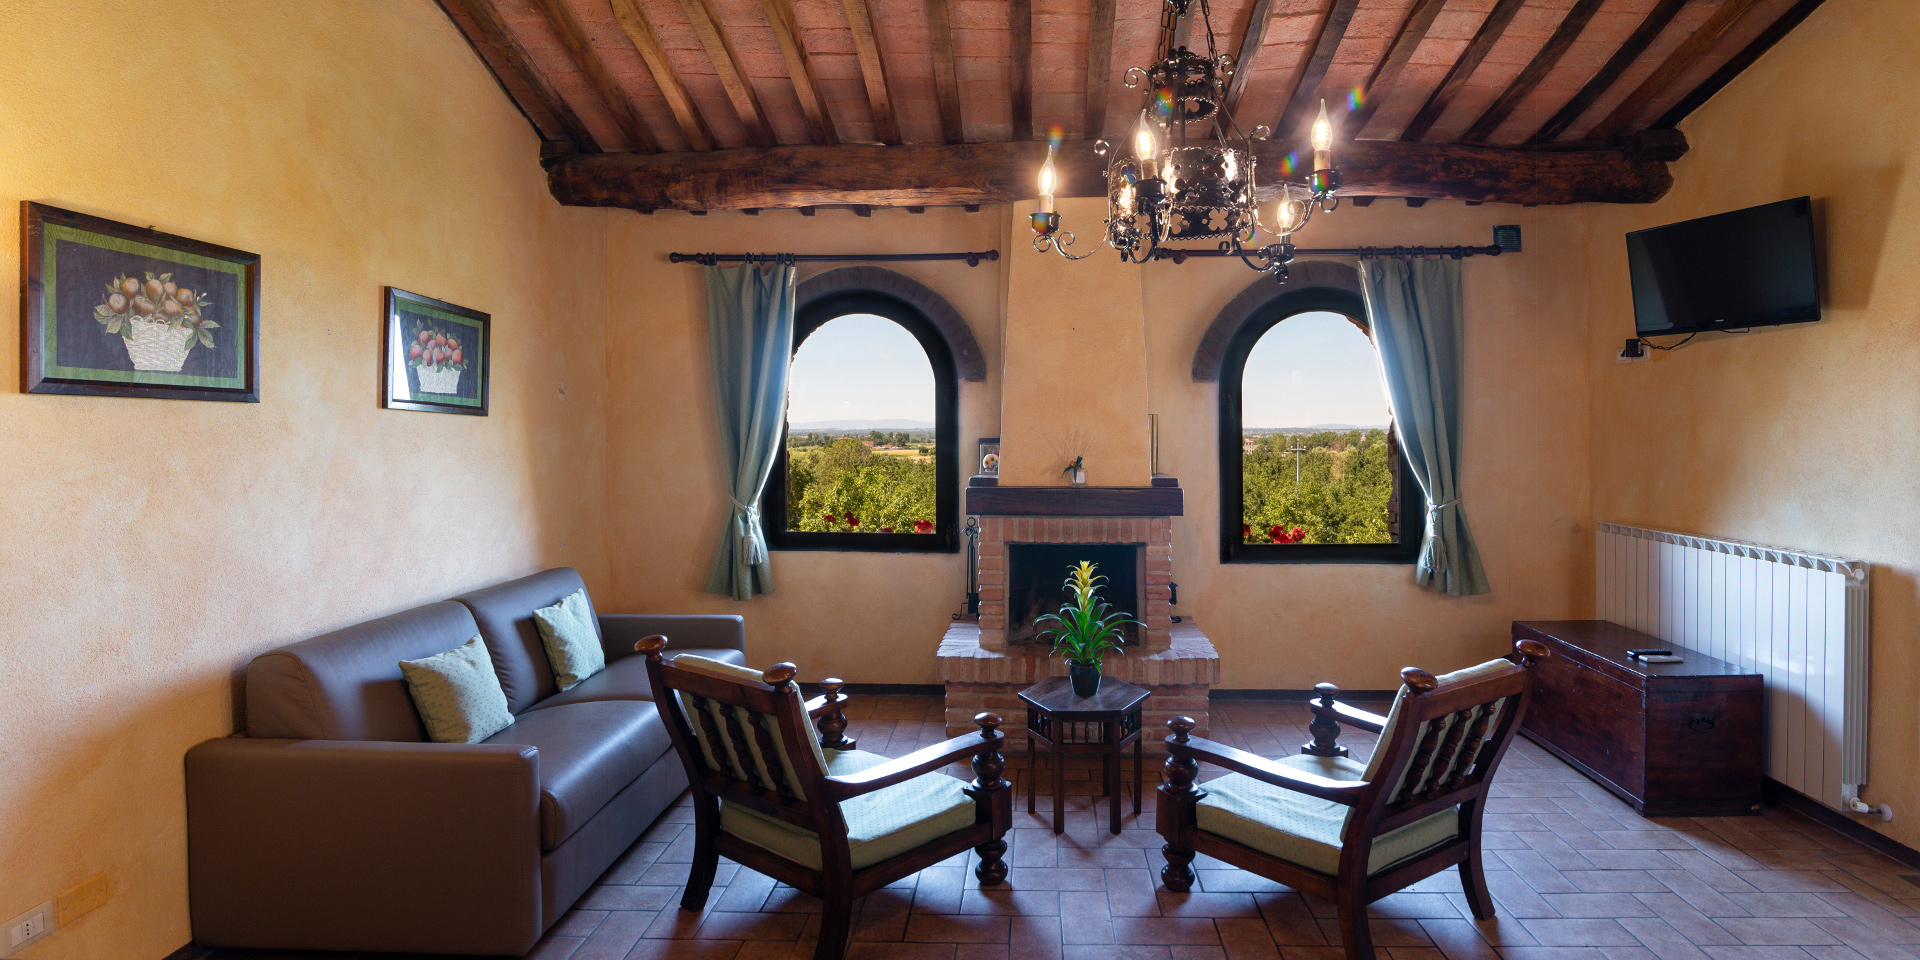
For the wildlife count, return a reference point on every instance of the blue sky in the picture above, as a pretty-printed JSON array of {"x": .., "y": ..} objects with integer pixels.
[
  {"x": 1311, "y": 369},
  {"x": 860, "y": 367}
]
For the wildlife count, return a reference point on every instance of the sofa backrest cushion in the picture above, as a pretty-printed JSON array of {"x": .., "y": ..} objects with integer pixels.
[
  {"x": 346, "y": 685},
  {"x": 505, "y": 615}
]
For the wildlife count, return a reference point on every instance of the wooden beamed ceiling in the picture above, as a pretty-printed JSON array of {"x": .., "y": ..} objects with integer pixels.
[{"x": 758, "y": 100}]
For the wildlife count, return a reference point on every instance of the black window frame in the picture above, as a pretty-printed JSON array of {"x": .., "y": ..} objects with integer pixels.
[
  {"x": 1412, "y": 501},
  {"x": 946, "y": 433}
]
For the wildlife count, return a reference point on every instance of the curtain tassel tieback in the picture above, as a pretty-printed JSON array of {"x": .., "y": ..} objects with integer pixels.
[
  {"x": 746, "y": 523},
  {"x": 1436, "y": 557}
]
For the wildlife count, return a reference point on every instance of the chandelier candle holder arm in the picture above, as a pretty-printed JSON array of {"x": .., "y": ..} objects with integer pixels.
[{"x": 1189, "y": 174}]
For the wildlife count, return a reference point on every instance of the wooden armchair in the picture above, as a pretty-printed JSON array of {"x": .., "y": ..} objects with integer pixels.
[
  {"x": 808, "y": 809},
  {"x": 1328, "y": 826}
]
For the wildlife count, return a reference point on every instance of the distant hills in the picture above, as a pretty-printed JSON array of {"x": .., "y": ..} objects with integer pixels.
[
  {"x": 1316, "y": 428},
  {"x": 895, "y": 424}
]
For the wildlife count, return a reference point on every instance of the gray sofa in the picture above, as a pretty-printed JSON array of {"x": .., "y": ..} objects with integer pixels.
[{"x": 334, "y": 824}]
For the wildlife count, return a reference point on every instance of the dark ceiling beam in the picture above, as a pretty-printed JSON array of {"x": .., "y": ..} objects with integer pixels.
[
  {"x": 1689, "y": 52},
  {"x": 726, "y": 64},
  {"x": 566, "y": 25},
  {"x": 1258, "y": 19},
  {"x": 495, "y": 33},
  {"x": 1636, "y": 43},
  {"x": 1536, "y": 70},
  {"x": 1020, "y": 66},
  {"x": 1387, "y": 72},
  {"x": 1462, "y": 70},
  {"x": 1002, "y": 172},
  {"x": 873, "y": 71},
  {"x": 946, "y": 78},
  {"x": 1741, "y": 61},
  {"x": 1100, "y": 68},
  {"x": 806, "y": 83},
  {"x": 1304, "y": 99},
  {"x": 646, "y": 42}
]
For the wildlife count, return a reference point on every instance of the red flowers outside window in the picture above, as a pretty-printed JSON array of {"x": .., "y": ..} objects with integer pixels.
[{"x": 923, "y": 526}]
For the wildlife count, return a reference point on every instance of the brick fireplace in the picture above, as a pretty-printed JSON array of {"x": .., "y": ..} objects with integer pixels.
[{"x": 984, "y": 663}]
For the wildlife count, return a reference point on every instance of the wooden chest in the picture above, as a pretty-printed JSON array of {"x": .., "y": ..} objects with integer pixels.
[{"x": 1672, "y": 739}]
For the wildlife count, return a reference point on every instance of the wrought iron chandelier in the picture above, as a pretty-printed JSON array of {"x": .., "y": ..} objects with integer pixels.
[{"x": 1189, "y": 172}]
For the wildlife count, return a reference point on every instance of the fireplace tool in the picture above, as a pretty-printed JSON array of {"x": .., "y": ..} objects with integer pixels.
[{"x": 973, "y": 568}]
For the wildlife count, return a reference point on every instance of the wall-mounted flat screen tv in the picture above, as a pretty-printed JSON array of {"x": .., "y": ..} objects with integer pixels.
[{"x": 1748, "y": 268}]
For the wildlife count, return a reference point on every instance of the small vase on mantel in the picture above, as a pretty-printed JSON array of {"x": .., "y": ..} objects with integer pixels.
[{"x": 1085, "y": 678}]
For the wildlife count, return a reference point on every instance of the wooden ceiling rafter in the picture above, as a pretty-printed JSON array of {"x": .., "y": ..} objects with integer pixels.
[
  {"x": 1100, "y": 68},
  {"x": 873, "y": 71},
  {"x": 1651, "y": 26},
  {"x": 726, "y": 64},
  {"x": 1535, "y": 71},
  {"x": 806, "y": 82},
  {"x": 1413, "y": 30},
  {"x": 496, "y": 34},
  {"x": 1251, "y": 39},
  {"x": 1678, "y": 62},
  {"x": 1490, "y": 32},
  {"x": 566, "y": 25},
  {"x": 1779, "y": 28},
  {"x": 1020, "y": 66},
  {"x": 946, "y": 76},
  {"x": 646, "y": 41},
  {"x": 1002, "y": 172},
  {"x": 1302, "y": 100}
]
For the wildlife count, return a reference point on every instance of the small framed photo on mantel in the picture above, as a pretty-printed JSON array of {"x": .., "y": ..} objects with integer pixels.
[
  {"x": 113, "y": 310},
  {"x": 435, "y": 357}
]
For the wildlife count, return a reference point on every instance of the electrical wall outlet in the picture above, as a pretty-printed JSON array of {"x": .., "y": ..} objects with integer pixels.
[
  {"x": 25, "y": 929},
  {"x": 84, "y": 898}
]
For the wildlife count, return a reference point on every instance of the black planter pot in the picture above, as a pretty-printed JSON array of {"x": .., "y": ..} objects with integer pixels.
[{"x": 1085, "y": 678}]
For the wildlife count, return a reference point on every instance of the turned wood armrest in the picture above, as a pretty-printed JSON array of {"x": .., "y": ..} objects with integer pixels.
[
  {"x": 917, "y": 763},
  {"x": 1266, "y": 771},
  {"x": 1356, "y": 717}
]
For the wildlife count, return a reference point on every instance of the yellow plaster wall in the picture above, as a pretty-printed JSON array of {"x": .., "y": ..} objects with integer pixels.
[
  {"x": 148, "y": 548},
  {"x": 1804, "y": 435},
  {"x": 876, "y": 617}
]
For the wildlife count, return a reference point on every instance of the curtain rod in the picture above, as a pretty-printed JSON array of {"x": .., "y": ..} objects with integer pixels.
[
  {"x": 1491, "y": 250},
  {"x": 711, "y": 259}
]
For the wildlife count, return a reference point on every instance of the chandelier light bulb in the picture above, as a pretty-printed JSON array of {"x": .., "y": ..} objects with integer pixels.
[
  {"x": 1323, "y": 140},
  {"x": 1048, "y": 179},
  {"x": 1143, "y": 146}
]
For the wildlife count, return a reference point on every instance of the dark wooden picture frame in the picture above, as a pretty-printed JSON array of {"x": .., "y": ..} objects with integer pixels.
[
  {"x": 109, "y": 309},
  {"x": 425, "y": 364}
]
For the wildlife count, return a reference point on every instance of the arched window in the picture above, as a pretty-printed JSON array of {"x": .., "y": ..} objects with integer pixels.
[
  {"x": 870, "y": 460},
  {"x": 1310, "y": 471}
]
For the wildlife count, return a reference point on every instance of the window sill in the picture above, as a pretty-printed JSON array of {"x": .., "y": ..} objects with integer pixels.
[
  {"x": 864, "y": 542},
  {"x": 1326, "y": 553}
]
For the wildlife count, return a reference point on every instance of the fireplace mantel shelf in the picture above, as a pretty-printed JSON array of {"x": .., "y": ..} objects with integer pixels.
[{"x": 1062, "y": 501}]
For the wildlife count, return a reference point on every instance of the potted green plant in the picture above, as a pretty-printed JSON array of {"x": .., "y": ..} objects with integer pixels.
[{"x": 1084, "y": 629}]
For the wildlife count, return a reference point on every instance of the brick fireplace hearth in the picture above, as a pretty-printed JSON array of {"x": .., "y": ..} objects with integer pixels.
[{"x": 983, "y": 668}]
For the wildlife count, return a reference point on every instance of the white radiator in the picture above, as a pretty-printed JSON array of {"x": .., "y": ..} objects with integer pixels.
[{"x": 1798, "y": 618}]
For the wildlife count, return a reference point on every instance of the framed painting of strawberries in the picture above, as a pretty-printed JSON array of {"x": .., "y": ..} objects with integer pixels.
[
  {"x": 111, "y": 309},
  {"x": 436, "y": 356}
]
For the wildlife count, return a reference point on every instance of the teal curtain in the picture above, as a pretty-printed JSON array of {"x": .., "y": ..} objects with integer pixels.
[
  {"x": 750, "y": 324},
  {"x": 1414, "y": 309}
]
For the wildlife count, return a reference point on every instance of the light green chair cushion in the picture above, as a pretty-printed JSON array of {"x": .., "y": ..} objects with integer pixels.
[
  {"x": 1393, "y": 716},
  {"x": 1306, "y": 830},
  {"x": 572, "y": 639},
  {"x": 880, "y": 825},
  {"x": 458, "y": 694},
  {"x": 746, "y": 718}
]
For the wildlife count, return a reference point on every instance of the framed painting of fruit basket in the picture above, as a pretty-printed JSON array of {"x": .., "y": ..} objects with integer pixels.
[
  {"x": 436, "y": 355},
  {"x": 111, "y": 309}
]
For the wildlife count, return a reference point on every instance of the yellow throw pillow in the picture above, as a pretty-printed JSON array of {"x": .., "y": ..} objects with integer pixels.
[
  {"x": 458, "y": 694},
  {"x": 572, "y": 639}
]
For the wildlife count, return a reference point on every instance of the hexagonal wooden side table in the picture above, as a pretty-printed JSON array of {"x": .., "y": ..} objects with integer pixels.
[{"x": 1103, "y": 725}]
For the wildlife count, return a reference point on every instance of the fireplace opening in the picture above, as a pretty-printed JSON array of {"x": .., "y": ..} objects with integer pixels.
[{"x": 1036, "y": 576}]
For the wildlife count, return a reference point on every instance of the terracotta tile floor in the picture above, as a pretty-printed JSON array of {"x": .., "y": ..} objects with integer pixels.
[{"x": 1579, "y": 876}]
